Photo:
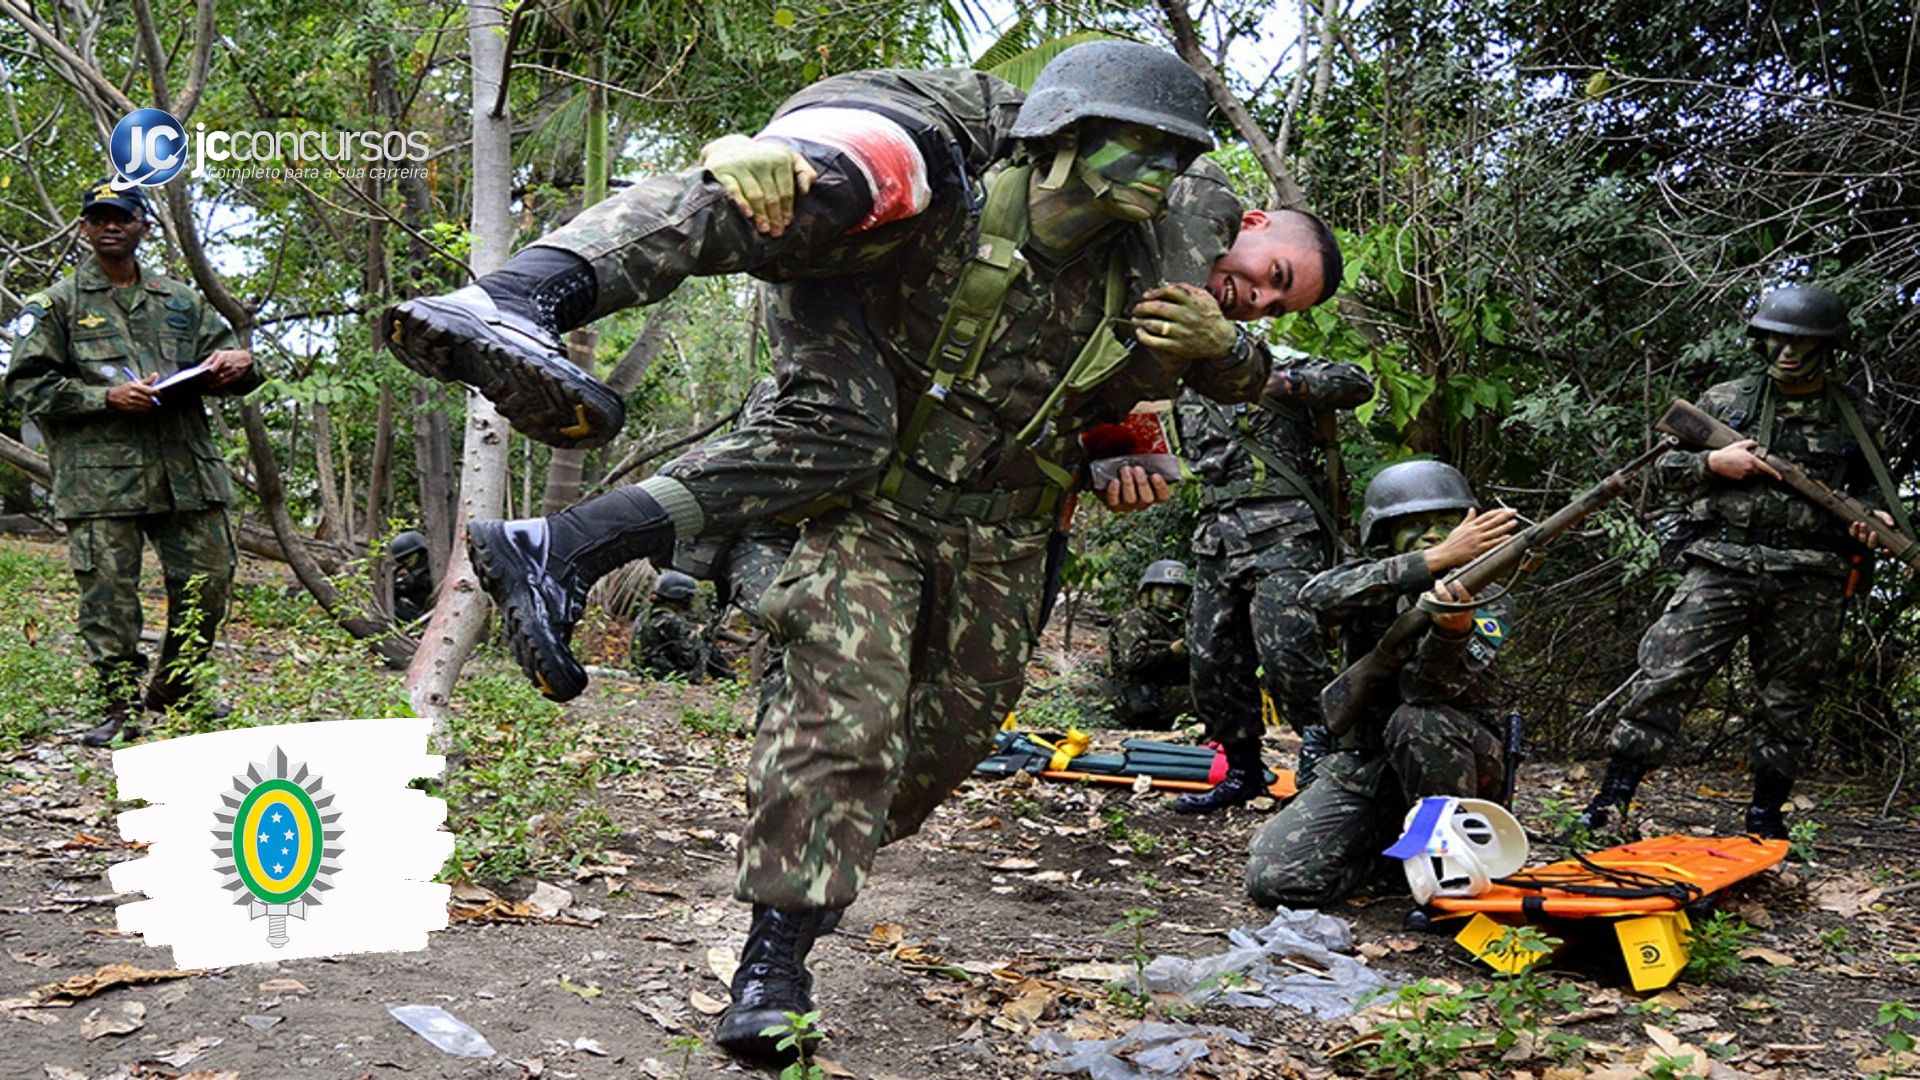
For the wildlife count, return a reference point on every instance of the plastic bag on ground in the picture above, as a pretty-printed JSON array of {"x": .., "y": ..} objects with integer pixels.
[
  {"x": 1151, "y": 1051},
  {"x": 1253, "y": 974}
]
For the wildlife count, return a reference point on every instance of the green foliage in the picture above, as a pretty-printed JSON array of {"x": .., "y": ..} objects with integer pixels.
[
  {"x": 1801, "y": 836},
  {"x": 1896, "y": 1017},
  {"x": 1434, "y": 1029},
  {"x": 799, "y": 1034},
  {"x": 1713, "y": 948},
  {"x": 1670, "y": 1067},
  {"x": 1133, "y": 1000}
]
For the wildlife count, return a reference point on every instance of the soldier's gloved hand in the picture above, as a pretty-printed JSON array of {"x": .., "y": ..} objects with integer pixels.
[
  {"x": 1736, "y": 461},
  {"x": 1135, "y": 489},
  {"x": 227, "y": 366},
  {"x": 1474, "y": 536},
  {"x": 1453, "y": 624},
  {"x": 1866, "y": 536},
  {"x": 1183, "y": 321},
  {"x": 134, "y": 397},
  {"x": 762, "y": 177}
]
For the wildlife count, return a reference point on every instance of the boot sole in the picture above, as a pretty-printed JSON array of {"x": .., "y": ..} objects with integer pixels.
[
  {"x": 542, "y": 395},
  {"x": 751, "y": 1046},
  {"x": 545, "y": 661}
]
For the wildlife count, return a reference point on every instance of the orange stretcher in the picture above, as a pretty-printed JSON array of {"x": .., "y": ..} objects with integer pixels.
[{"x": 1643, "y": 889}]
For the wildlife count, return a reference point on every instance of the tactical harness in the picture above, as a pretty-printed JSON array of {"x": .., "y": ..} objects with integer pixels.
[
  {"x": 1272, "y": 477},
  {"x": 1757, "y": 391},
  {"x": 965, "y": 332}
]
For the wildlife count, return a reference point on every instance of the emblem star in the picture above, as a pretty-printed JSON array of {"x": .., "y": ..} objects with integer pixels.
[
  {"x": 284, "y": 851},
  {"x": 289, "y": 834},
  {"x": 263, "y": 838},
  {"x": 278, "y": 867},
  {"x": 276, "y": 816}
]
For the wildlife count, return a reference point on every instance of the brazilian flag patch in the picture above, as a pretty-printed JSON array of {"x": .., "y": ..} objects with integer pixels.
[{"x": 1488, "y": 628}]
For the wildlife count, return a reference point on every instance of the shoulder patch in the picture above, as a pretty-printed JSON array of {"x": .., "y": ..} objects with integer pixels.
[
  {"x": 1488, "y": 628},
  {"x": 39, "y": 300},
  {"x": 179, "y": 303}
]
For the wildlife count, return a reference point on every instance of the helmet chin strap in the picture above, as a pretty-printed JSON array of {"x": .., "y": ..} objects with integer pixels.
[{"x": 1062, "y": 168}]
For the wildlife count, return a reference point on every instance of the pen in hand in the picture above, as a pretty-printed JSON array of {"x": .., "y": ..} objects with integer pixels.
[{"x": 128, "y": 372}]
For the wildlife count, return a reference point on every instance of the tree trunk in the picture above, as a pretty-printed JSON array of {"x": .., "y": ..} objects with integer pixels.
[
  {"x": 332, "y": 525},
  {"x": 433, "y": 464},
  {"x": 461, "y": 612}
]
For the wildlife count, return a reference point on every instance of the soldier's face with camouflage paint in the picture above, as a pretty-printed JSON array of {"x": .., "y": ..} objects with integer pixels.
[
  {"x": 1795, "y": 360},
  {"x": 1129, "y": 167},
  {"x": 1165, "y": 597},
  {"x": 1274, "y": 267},
  {"x": 1418, "y": 532},
  {"x": 112, "y": 232}
]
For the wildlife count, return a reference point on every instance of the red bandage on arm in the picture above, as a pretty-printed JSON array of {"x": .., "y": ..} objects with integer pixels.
[{"x": 889, "y": 159}]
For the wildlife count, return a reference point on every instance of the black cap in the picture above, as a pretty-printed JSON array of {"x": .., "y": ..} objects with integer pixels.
[{"x": 132, "y": 200}]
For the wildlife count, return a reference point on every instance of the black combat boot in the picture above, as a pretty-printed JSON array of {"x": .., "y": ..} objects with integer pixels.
[
  {"x": 164, "y": 693},
  {"x": 771, "y": 981},
  {"x": 115, "y": 719},
  {"x": 538, "y": 571},
  {"x": 1316, "y": 742},
  {"x": 1616, "y": 791},
  {"x": 1770, "y": 793},
  {"x": 1242, "y": 784},
  {"x": 501, "y": 336}
]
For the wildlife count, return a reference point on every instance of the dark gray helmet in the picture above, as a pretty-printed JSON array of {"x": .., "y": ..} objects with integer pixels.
[
  {"x": 1413, "y": 487},
  {"x": 674, "y": 585},
  {"x": 1117, "y": 80},
  {"x": 407, "y": 543},
  {"x": 1166, "y": 572},
  {"x": 1799, "y": 311}
]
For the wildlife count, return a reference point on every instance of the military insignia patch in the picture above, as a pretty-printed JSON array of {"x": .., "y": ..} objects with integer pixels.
[
  {"x": 29, "y": 318},
  {"x": 177, "y": 304},
  {"x": 179, "y": 322},
  {"x": 88, "y": 322},
  {"x": 279, "y": 824},
  {"x": 1489, "y": 628}
]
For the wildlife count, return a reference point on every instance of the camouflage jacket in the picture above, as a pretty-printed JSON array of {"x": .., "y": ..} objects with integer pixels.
[
  {"x": 1140, "y": 645},
  {"x": 668, "y": 642},
  {"x": 1366, "y": 596},
  {"x": 900, "y": 269},
  {"x": 706, "y": 556},
  {"x": 80, "y": 342},
  {"x": 1246, "y": 509},
  {"x": 1757, "y": 524}
]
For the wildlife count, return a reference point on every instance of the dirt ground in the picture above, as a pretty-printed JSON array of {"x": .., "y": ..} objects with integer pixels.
[{"x": 988, "y": 928}]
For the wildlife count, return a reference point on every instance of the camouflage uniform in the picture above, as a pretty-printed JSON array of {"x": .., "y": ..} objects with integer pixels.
[
  {"x": 1149, "y": 681},
  {"x": 1767, "y": 565},
  {"x": 1438, "y": 736},
  {"x": 668, "y": 641},
  {"x": 119, "y": 477},
  {"x": 1257, "y": 543},
  {"x": 907, "y": 615},
  {"x": 744, "y": 565}
]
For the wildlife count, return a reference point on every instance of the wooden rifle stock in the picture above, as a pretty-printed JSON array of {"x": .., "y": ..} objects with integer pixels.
[
  {"x": 1685, "y": 421},
  {"x": 1344, "y": 699}
]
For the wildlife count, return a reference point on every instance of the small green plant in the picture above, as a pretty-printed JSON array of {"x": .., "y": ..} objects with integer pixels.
[
  {"x": 719, "y": 719},
  {"x": 1713, "y": 948},
  {"x": 1800, "y": 839},
  {"x": 686, "y": 1046},
  {"x": 1836, "y": 940},
  {"x": 1563, "y": 824},
  {"x": 1133, "y": 1000},
  {"x": 1432, "y": 1029},
  {"x": 1670, "y": 1067},
  {"x": 798, "y": 1034},
  {"x": 1522, "y": 1002},
  {"x": 1891, "y": 1016}
]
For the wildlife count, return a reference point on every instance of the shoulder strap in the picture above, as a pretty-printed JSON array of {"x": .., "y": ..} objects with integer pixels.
[
  {"x": 1286, "y": 480},
  {"x": 1875, "y": 463}
]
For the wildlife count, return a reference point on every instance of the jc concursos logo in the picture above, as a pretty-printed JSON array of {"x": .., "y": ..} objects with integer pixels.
[{"x": 148, "y": 148}]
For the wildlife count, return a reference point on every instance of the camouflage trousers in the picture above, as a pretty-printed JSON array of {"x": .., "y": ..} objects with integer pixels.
[
  {"x": 105, "y": 554},
  {"x": 828, "y": 431},
  {"x": 1791, "y": 622},
  {"x": 906, "y": 645},
  {"x": 1326, "y": 844},
  {"x": 1246, "y": 617}
]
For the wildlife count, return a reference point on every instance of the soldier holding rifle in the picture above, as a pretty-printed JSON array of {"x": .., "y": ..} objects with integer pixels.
[{"x": 1764, "y": 563}]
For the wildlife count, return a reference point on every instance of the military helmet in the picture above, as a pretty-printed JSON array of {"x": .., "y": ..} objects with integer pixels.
[
  {"x": 1799, "y": 311},
  {"x": 407, "y": 543},
  {"x": 1413, "y": 487},
  {"x": 1166, "y": 572},
  {"x": 1117, "y": 80},
  {"x": 674, "y": 585}
]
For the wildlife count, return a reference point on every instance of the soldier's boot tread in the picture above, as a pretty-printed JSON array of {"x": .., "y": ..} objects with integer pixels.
[
  {"x": 1239, "y": 787},
  {"x": 771, "y": 981},
  {"x": 538, "y": 572},
  {"x": 513, "y": 361}
]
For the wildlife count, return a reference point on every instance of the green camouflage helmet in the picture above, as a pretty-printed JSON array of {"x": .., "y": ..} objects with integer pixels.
[
  {"x": 1413, "y": 487},
  {"x": 1166, "y": 572},
  {"x": 1117, "y": 80},
  {"x": 1799, "y": 311},
  {"x": 674, "y": 585}
]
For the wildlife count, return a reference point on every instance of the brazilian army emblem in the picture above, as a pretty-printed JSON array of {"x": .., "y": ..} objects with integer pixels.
[{"x": 279, "y": 838}]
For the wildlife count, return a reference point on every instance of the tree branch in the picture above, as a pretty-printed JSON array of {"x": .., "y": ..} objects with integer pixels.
[{"x": 1186, "y": 41}]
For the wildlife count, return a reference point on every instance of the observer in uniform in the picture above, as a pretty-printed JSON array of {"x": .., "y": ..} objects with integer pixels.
[
  {"x": 1435, "y": 732},
  {"x": 1764, "y": 563},
  {"x": 1265, "y": 528},
  {"x": 131, "y": 464},
  {"x": 1147, "y": 650},
  {"x": 912, "y": 608}
]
